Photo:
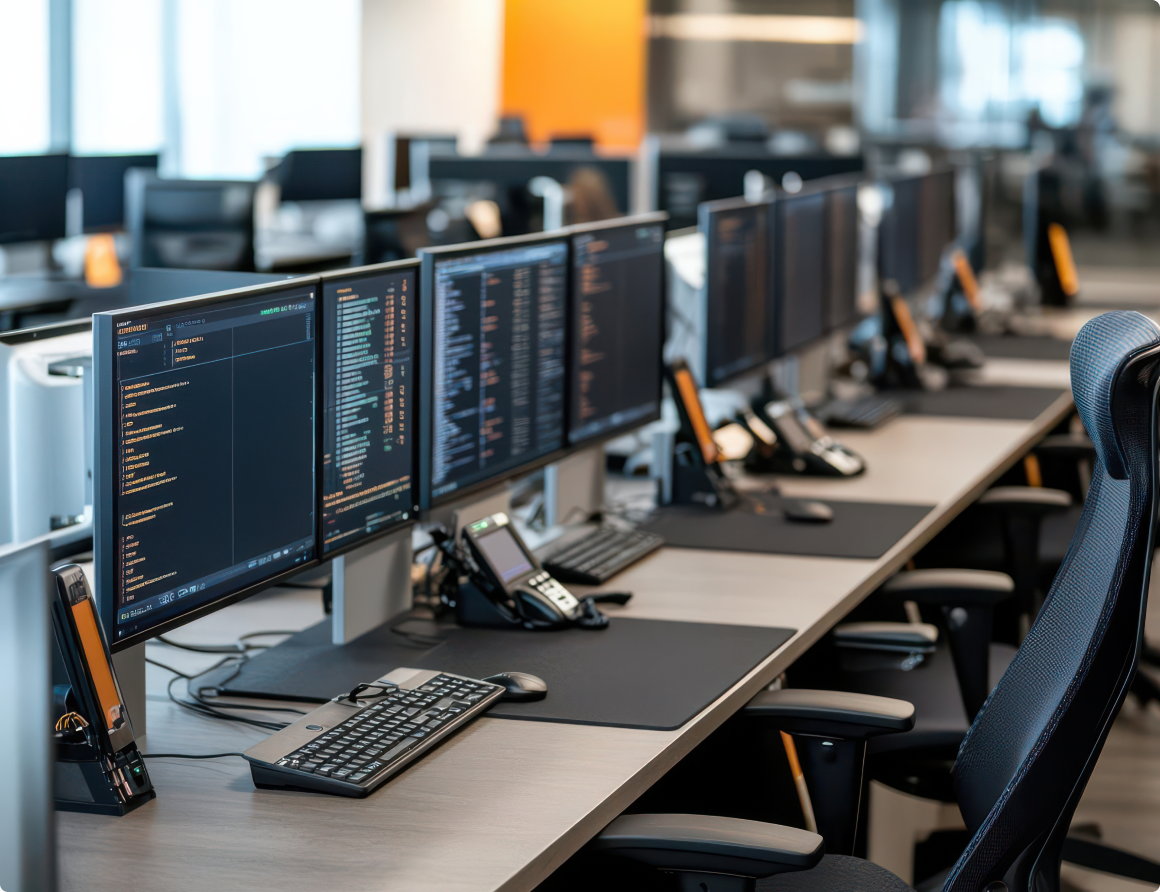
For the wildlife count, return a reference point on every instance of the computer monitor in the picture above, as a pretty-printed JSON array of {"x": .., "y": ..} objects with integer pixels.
[
  {"x": 101, "y": 180},
  {"x": 504, "y": 178},
  {"x": 205, "y": 454},
  {"x": 189, "y": 224},
  {"x": 369, "y": 403},
  {"x": 493, "y": 321},
  {"x": 898, "y": 234},
  {"x": 736, "y": 315},
  {"x": 616, "y": 335},
  {"x": 686, "y": 177},
  {"x": 937, "y": 227},
  {"x": 32, "y": 197},
  {"x": 841, "y": 263},
  {"x": 320, "y": 175},
  {"x": 800, "y": 269}
]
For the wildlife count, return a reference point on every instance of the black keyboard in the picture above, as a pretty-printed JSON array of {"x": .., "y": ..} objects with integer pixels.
[
  {"x": 600, "y": 555},
  {"x": 352, "y": 748},
  {"x": 861, "y": 412}
]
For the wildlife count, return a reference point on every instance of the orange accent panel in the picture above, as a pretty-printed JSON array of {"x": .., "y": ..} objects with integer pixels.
[
  {"x": 576, "y": 67},
  {"x": 1064, "y": 262}
]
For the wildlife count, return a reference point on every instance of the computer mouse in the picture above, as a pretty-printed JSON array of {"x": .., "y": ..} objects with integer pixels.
[
  {"x": 520, "y": 686},
  {"x": 807, "y": 511}
]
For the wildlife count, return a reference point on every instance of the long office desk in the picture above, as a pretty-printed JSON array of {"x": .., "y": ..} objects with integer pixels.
[{"x": 504, "y": 803}]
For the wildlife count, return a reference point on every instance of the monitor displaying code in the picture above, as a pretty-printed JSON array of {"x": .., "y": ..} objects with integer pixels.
[
  {"x": 498, "y": 362},
  {"x": 368, "y": 379},
  {"x": 617, "y": 312},
  {"x": 737, "y": 318},
  {"x": 214, "y": 439}
]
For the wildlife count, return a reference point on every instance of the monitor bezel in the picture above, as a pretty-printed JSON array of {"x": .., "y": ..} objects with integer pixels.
[
  {"x": 374, "y": 269},
  {"x": 654, "y": 218},
  {"x": 428, "y": 258},
  {"x": 104, "y": 523},
  {"x": 768, "y": 203}
]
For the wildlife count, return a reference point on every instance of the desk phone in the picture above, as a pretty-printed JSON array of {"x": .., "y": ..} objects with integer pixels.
[{"x": 512, "y": 578}]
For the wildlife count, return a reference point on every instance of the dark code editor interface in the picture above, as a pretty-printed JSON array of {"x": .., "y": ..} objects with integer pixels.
[
  {"x": 215, "y": 439},
  {"x": 736, "y": 323},
  {"x": 367, "y": 379},
  {"x": 616, "y": 323},
  {"x": 498, "y": 362}
]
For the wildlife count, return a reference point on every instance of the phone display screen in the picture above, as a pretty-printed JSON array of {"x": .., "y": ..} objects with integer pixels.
[
  {"x": 687, "y": 393},
  {"x": 503, "y": 552},
  {"x": 97, "y": 660}
]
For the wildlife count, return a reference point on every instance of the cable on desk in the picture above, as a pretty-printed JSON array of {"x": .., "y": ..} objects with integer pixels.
[
  {"x": 211, "y": 710},
  {"x": 236, "y": 648},
  {"x": 189, "y": 756}
]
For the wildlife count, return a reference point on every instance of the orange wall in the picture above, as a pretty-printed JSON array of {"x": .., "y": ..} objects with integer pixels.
[{"x": 576, "y": 66}]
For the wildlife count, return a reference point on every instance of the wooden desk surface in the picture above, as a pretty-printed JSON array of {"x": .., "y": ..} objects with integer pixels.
[{"x": 504, "y": 803}]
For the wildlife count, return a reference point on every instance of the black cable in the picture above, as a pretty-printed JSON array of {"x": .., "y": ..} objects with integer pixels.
[
  {"x": 208, "y": 710},
  {"x": 204, "y": 648},
  {"x": 264, "y": 634},
  {"x": 167, "y": 668},
  {"x": 189, "y": 756}
]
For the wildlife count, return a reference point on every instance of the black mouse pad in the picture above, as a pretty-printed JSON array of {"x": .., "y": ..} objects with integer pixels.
[
  {"x": 1002, "y": 403},
  {"x": 1023, "y": 346},
  {"x": 636, "y": 673},
  {"x": 858, "y": 530}
]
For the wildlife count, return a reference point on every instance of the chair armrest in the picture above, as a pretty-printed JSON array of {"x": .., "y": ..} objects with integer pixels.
[
  {"x": 952, "y": 588},
  {"x": 834, "y": 714},
  {"x": 1034, "y": 501},
  {"x": 901, "y": 637},
  {"x": 708, "y": 844},
  {"x": 1076, "y": 446}
]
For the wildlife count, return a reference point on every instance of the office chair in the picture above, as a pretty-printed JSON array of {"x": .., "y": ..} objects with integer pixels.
[
  {"x": 1023, "y": 766},
  {"x": 189, "y": 224}
]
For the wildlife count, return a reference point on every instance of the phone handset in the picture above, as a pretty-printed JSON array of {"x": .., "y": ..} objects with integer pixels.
[{"x": 509, "y": 575}]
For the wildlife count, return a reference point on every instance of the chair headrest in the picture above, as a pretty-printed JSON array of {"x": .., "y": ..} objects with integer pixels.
[{"x": 1099, "y": 349}]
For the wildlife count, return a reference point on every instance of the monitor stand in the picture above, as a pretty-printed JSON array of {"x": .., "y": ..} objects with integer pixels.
[
  {"x": 370, "y": 584},
  {"x": 129, "y": 665},
  {"x": 574, "y": 485}
]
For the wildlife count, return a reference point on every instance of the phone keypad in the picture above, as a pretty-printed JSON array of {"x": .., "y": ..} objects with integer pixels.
[{"x": 546, "y": 585}]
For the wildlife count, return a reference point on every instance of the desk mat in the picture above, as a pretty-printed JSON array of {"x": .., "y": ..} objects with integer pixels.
[
  {"x": 1023, "y": 346},
  {"x": 859, "y": 529},
  {"x": 637, "y": 673},
  {"x": 1003, "y": 403}
]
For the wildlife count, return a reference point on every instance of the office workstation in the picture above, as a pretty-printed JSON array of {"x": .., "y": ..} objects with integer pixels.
[{"x": 558, "y": 506}]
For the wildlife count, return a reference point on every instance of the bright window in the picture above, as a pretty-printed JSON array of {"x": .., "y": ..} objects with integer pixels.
[
  {"x": 24, "y": 104},
  {"x": 259, "y": 77},
  {"x": 118, "y": 81}
]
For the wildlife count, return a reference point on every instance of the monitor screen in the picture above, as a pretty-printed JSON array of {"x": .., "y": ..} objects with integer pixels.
[
  {"x": 368, "y": 397},
  {"x": 101, "y": 179},
  {"x": 801, "y": 257},
  {"x": 496, "y": 347},
  {"x": 616, "y": 333},
  {"x": 206, "y": 455},
  {"x": 320, "y": 175},
  {"x": 841, "y": 256},
  {"x": 898, "y": 235},
  {"x": 32, "y": 197},
  {"x": 737, "y": 321},
  {"x": 936, "y": 221}
]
